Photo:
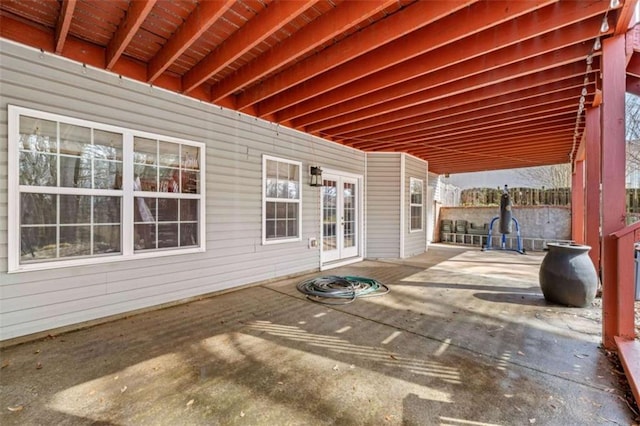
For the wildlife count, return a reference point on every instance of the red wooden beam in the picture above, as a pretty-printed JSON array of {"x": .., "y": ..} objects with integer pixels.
[
  {"x": 135, "y": 16},
  {"x": 467, "y": 155},
  {"x": 256, "y": 30},
  {"x": 316, "y": 33},
  {"x": 199, "y": 21},
  {"x": 592, "y": 176},
  {"x": 540, "y": 142},
  {"x": 617, "y": 318},
  {"x": 633, "y": 85},
  {"x": 479, "y": 134},
  {"x": 413, "y": 17},
  {"x": 459, "y": 105},
  {"x": 577, "y": 202},
  {"x": 474, "y": 160},
  {"x": 520, "y": 142},
  {"x": 485, "y": 120},
  {"x": 411, "y": 105},
  {"x": 625, "y": 14},
  {"x": 633, "y": 67},
  {"x": 63, "y": 24},
  {"x": 491, "y": 78},
  {"x": 454, "y": 27},
  {"x": 459, "y": 60}
]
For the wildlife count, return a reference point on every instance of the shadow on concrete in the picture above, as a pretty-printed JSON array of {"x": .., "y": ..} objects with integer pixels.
[{"x": 264, "y": 355}]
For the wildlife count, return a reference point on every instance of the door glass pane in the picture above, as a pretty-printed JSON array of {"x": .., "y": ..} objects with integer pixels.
[
  {"x": 349, "y": 228},
  {"x": 329, "y": 214}
]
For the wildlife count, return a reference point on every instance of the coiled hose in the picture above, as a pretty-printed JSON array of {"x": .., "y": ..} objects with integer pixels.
[{"x": 346, "y": 289}]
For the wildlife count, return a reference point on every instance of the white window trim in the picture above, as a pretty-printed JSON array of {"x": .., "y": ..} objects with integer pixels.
[
  {"x": 421, "y": 205},
  {"x": 127, "y": 193},
  {"x": 266, "y": 241}
]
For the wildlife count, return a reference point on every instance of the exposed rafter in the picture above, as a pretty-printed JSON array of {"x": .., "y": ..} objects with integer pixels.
[
  {"x": 255, "y": 31},
  {"x": 329, "y": 25},
  {"x": 64, "y": 22},
  {"x": 458, "y": 83},
  {"x": 399, "y": 55},
  {"x": 433, "y": 70},
  {"x": 205, "y": 15},
  {"x": 407, "y": 20},
  {"x": 136, "y": 14}
]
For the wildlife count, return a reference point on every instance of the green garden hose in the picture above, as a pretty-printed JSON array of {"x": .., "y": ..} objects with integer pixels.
[{"x": 346, "y": 288}]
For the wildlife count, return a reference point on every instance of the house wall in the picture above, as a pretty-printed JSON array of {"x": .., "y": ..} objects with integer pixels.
[
  {"x": 383, "y": 205},
  {"x": 414, "y": 242},
  {"x": 41, "y": 300}
]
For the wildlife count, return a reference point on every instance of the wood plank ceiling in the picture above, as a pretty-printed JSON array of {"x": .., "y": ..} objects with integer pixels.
[{"x": 467, "y": 85}]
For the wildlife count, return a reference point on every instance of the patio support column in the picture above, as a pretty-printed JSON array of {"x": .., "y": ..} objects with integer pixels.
[
  {"x": 617, "y": 319},
  {"x": 592, "y": 190},
  {"x": 577, "y": 202}
]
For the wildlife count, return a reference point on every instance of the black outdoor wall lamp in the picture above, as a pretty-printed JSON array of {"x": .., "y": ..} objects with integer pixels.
[{"x": 315, "y": 176}]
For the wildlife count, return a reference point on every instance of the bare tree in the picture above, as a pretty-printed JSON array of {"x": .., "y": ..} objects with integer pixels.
[
  {"x": 556, "y": 176},
  {"x": 632, "y": 122}
]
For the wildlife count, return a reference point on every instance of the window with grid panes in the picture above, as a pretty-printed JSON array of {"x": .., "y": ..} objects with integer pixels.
[
  {"x": 84, "y": 192},
  {"x": 416, "y": 190},
  {"x": 282, "y": 199}
]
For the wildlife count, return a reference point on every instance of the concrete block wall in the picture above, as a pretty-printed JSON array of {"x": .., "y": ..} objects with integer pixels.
[{"x": 545, "y": 222}]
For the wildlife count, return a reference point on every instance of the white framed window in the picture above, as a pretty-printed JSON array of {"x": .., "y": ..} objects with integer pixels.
[
  {"x": 82, "y": 192},
  {"x": 282, "y": 200},
  {"x": 415, "y": 204}
]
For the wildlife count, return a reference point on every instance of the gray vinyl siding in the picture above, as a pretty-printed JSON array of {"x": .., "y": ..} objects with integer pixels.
[
  {"x": 414, "y": 242},
  {"x": 235, "y": 143},
  {"x": 383, "y": 205}
]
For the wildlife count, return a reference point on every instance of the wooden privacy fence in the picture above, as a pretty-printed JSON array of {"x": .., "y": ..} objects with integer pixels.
[
  {"x": 519, "y": 196},
  {"x": 633, "y": 200}
]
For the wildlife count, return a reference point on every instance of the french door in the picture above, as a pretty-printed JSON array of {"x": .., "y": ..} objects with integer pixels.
[{"x": 340, "y": 215}]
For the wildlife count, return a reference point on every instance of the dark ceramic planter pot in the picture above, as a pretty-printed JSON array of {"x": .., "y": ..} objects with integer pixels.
[{"x": 567, "y": 275}]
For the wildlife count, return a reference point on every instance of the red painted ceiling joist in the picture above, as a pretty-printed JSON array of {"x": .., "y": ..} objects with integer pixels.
[
  {"x": 454, "y": 27},
  {"x": 202, "y": 18},
  {"x": 407, "y": 20},
  {"x": 64, "y": 22},
  {"x": 323, "y": 29},
  {"x": 256, "y": 30},
  {"x": 481, "y": 114},
  {"x": 136, "y": 14},
  {"x": 454, "y": 61},
  {"x": 408, "y": 106},
  {"x": 459, "y": 105}
]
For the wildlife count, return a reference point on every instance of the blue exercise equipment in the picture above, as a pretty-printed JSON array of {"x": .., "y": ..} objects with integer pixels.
[{"x": 506, "y": 219}]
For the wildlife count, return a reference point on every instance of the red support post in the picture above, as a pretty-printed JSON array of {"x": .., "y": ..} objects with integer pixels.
[
  {"x": 577, "y": 202},
  {"x": 614, "y": 311},
  {"x": 592, "y": 190}
]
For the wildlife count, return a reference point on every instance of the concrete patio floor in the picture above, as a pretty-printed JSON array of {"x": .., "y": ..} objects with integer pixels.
[{"x": 463, "y": 338}]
